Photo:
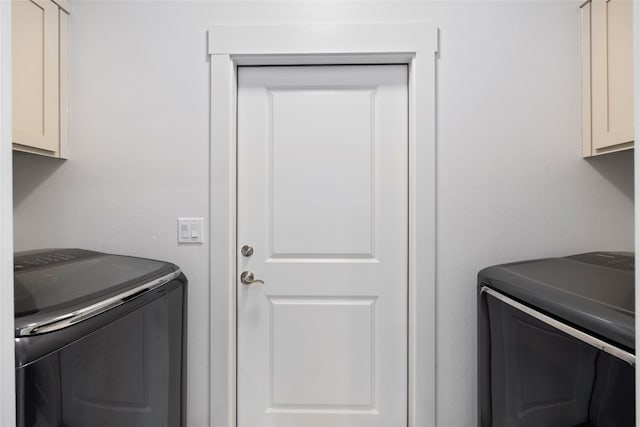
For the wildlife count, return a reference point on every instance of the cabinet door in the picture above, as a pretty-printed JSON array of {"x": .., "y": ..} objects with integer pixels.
[
  {"x": 612, "y": 74},
  {"x": 35, "y": 27}
]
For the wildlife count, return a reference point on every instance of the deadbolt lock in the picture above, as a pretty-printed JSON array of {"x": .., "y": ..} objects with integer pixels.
[{"x": 246, "y": 250}]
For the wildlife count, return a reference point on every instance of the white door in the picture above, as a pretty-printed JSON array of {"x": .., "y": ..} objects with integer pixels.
[{"x": 322, "y": 200}]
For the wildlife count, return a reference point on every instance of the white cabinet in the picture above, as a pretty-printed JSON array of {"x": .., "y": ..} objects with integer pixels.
[
  {"x": 39, "y": 41},
  {"x": 607, "y": 76}
]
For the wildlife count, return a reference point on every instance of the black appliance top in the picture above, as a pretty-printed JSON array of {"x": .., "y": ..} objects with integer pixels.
[
  {"x": 593, "y": 291},
  {"x": 51, "y": 284}
]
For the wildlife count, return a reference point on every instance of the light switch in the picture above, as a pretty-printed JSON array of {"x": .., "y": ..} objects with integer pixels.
[
  {"x": 184, "y": 231},
  {"x": 190, "y": 230}
]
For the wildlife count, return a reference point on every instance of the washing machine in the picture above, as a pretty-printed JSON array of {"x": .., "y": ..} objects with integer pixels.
[
  {"x": 100, "y": 340},
  {"x": 556, "y": 342}
]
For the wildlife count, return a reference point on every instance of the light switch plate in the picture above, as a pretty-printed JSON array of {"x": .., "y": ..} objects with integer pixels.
[{"x": 190, "y": 230}]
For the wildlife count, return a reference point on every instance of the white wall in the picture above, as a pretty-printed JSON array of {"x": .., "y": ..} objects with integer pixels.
[
  {"x": 7, "y": 354},
  {"x": 511, "y": 182},
  {"x": 636, "y": 106}
]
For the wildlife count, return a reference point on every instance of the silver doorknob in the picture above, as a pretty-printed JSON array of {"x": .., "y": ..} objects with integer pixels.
[
  {"x": 246, "y": 250},
  {"x": 247, "y": 278}
]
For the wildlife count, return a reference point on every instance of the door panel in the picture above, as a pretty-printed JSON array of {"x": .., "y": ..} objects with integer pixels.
[
  {"x": 303, "y": 328},
  {"x": 317, "y": 181},
  {"x": 322, "y": 199}
]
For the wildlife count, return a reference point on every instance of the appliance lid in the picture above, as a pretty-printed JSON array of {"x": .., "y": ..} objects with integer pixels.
[
  {"x": 53, "y": 284},
  {"x": 593, "y": 291}
]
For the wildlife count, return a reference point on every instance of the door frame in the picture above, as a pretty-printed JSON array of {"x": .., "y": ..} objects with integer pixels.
[{"x": 414, "y": 44}]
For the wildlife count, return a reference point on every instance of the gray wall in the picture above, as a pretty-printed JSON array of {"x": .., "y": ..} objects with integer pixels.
[{"x": 511, "y": 182}]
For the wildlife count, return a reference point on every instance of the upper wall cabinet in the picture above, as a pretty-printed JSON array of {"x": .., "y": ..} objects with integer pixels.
[
  {"x": 607, "y": 76},
  {"x": 39, "y": 39}
]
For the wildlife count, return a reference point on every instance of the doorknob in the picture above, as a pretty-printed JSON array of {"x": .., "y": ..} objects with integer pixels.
[{"x": 247, "y": 278}]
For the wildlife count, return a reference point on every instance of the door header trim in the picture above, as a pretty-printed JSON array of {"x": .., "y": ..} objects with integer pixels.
[{"x": 324, "y": 39}]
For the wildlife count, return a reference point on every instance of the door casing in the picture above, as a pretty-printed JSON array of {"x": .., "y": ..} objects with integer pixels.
[{"x": 230, "y": 46}]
